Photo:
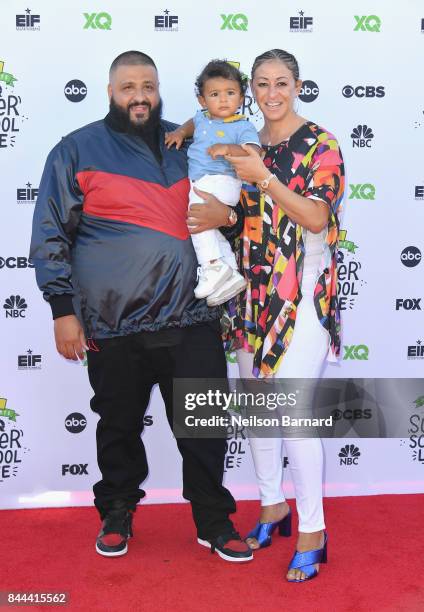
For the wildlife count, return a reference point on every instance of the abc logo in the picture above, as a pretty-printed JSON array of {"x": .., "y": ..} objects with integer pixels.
[
  {"x": 75, "y": 422},
  {"x": 309, "y": 91},
  {"x": 75, "y": 91},
  {"x": 410, "y": 256}
]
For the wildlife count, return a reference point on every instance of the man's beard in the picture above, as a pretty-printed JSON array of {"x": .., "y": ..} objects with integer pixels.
[{"x": 121, "y": 118}]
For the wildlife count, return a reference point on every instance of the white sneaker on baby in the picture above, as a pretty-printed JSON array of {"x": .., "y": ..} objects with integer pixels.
[
  {"x": 212, "y": 276},
  {"x": 234, "y": 285}
]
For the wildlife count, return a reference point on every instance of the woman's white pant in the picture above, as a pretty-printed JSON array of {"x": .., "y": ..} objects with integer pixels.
[{"x": 304, "y": 359}]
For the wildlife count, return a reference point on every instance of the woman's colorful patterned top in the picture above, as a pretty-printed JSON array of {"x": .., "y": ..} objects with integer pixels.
[{"x": 272, "y": 250}]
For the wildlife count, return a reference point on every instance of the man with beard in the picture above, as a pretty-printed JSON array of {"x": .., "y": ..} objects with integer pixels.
[{"x": 110, "y": 243}]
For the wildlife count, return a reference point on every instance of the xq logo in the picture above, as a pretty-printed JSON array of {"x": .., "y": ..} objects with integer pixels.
[
  {"x": 77, "y": 469},
  {"x": 356, "y": 351},
  {"x": 364, "y": 191},
  {"x": 370, "y": 23},
  {"x": 98, "y": 21},
  {"x": 234, "y": 22}
]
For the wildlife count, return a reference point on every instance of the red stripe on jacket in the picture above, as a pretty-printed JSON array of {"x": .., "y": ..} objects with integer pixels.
[{"x": 131, "y": 200}]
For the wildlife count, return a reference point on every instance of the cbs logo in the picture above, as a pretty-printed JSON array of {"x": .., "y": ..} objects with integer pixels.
[{"x": 363, "y": 91}]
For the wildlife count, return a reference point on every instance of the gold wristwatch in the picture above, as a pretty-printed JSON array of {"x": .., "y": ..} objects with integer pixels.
[
  {"x": 232, "y": 218},
  {"x": 265, "y": 183}
]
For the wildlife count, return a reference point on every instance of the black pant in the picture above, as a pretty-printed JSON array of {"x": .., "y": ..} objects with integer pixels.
[{"x": 122, "y": 374}]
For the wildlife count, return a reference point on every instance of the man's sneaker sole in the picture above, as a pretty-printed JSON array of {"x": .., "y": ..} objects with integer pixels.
[
  {"x": 118, "y": 553},
  {"x": 223, "y": 555}
]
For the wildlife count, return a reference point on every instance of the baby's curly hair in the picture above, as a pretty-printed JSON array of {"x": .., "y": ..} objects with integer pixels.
[{"x": 220, "y": 68}]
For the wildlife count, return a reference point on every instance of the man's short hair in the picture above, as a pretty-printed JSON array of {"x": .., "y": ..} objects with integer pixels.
[{"x": 131, "y": 58}]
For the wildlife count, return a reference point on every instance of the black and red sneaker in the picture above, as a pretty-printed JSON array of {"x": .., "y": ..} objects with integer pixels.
[
  {"x": 116, "y": 529},
  {"x": 229, "y": 547}
]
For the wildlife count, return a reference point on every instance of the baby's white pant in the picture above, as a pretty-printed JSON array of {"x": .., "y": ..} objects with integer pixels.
[{"x": 211, "y": 244}]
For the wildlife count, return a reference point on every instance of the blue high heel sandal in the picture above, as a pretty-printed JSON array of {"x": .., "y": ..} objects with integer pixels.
[
  {"x": 263, "y": 531},
  {"x": 304, "y": 561}
]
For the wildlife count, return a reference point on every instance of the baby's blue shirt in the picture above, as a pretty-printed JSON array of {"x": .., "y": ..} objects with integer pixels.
[{"x": 207, "y": 132}]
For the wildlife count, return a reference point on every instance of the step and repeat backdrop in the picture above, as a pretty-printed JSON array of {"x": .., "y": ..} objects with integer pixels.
[{"x": 361, "y": 65}]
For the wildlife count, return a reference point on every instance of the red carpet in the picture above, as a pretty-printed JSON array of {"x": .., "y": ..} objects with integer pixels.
[{"x": 376, "y": 561}]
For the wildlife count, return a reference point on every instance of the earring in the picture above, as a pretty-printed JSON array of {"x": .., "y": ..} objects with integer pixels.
[{"x": 296, "y": 105}]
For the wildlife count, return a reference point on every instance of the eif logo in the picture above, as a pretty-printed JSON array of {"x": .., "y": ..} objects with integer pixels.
[
  {"x": 27, "y": 21},
  {"x": 356, "y": 351},
  {"x": 349, "y": 455},
  {"x": 27, "y": 194},
  {"x": 301, "y": 23},
  {"x": 15, "y": 307},
  {"x": 309, "y": 91},
  {"x": 361, "y": 191},
  {"x": 362, "y": 136},
  {"x": 416, "y": 351},
  {"x": 97, "y": 21},
  {"x": 234, "y": 22},
  {"x": 166, "y": 23},
  {"x": 75, "y": 90},
  {"x": 30, "y": 361},
  {"x": 370, "y": 23},
  {"x": 364, "y": 91},
  {"x": 410, "y": 256},
  {"x": 419, "y": 192}
]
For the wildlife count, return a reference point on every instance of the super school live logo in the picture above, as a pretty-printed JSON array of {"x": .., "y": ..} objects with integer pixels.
[
  {"x": 416, "y": 431},
  {"x": 349, "y": 272},
  {"x": 11, "y": 117},
  {"x": 12, "y": 449}
]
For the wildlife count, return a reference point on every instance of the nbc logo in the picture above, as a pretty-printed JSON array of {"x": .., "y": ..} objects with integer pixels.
[
  {"x": 362, "y": 136},
  {"x": 15, "y": 307},
  {"x": 349, "y": 455}
]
